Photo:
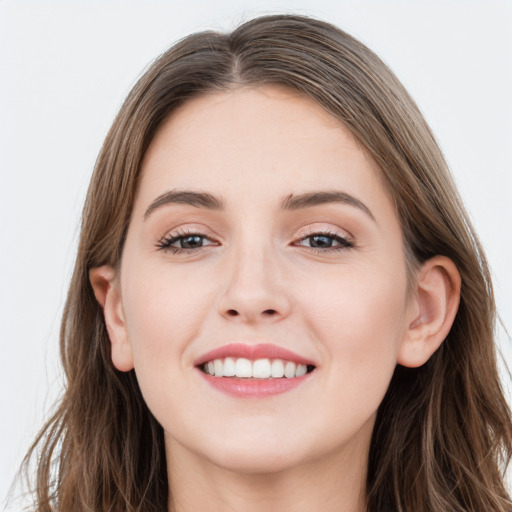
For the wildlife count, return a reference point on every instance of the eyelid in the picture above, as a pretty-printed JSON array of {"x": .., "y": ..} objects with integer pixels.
[
  {"x": 344, "y": 240},
  {"x": 164, "y": 242},
  {"x": 323, "y": 229},
  {"x": 189, "y": 229}
]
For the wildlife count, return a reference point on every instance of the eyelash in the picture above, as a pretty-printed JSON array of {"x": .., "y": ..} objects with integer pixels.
[
  {"x": 343, "y": 241},
  {"x": 165, "y": 244}
]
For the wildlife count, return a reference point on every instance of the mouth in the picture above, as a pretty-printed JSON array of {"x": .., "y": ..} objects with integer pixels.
[
  {"x": 243, "y": 368},
  {"x": 254, "y": 371}
]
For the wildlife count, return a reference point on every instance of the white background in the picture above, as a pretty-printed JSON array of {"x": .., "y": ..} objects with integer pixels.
[{"x": 65, "y": 68}]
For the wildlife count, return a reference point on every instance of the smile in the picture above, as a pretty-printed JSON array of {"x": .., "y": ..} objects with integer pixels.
[
  {"x": 254, "y": 370},
  {"x": 259, "y": 369}
]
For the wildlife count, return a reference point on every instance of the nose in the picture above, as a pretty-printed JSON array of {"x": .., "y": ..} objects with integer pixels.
[{"x": 255, "y": 289}]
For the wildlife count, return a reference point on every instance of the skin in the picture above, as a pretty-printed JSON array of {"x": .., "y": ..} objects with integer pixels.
[{"x": 257, "y": 279}]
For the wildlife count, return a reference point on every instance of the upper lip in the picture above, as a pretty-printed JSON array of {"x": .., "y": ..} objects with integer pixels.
[{"x": 253, "y": 352}]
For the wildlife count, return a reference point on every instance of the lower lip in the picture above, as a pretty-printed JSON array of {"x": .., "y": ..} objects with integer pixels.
[{"x": 253, "y": 388}]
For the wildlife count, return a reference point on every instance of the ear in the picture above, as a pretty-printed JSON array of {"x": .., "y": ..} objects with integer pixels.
[
  {"x": 107, "y": 292},
  {"x": 432, "y": 310}
]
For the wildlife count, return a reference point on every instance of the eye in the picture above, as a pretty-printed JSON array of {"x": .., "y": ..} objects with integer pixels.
[
  {"x": 184, "y": 241},
  {"x": 325, "y": 241}
]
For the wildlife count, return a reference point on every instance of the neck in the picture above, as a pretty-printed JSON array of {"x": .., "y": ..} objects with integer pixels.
[{"x": 336, "y": 482}]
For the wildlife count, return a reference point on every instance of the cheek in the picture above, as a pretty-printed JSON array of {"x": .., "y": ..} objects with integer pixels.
[
  {"x": 359, "y": 317},
  {"x": 359, "y": 327},
  {"x": 164, "y": 313}
]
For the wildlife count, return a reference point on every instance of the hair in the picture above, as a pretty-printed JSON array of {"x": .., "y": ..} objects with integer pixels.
[{"x": 443, "y": 434}]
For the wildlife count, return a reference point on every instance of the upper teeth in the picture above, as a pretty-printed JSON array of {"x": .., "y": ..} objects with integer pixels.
[{"x": 259, "y": 369}]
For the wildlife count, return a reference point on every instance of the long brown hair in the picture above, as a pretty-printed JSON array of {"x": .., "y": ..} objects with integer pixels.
[{"x": 443, "y": 434}]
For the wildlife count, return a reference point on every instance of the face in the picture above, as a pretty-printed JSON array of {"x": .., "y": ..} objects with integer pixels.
[{"x": 261, "y": 232}]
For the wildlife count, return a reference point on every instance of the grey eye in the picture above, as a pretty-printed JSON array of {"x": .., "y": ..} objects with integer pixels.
[
  {"x": 191, "y": 241},
  {"x": 321, "y": 241},
  {"x": 325, "y": 241}
]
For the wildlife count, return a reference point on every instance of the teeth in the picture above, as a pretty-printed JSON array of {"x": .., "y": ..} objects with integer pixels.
[
  {"x": 277, "y": 369},
  {"x": 218, "y": 367},
  {"x": 259, "y": 369},
  {"x": 302, "y": 369},
  {"x": 243, "y": 367},
  {"x": 229, "y": 367},
  {"x": 289, "y": 370}
]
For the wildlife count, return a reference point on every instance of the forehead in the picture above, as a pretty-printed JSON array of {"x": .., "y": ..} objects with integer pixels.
[{"x": 266, "y": 138}]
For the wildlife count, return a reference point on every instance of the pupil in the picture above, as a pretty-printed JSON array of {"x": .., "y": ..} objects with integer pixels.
[
  {"x": 191, "y": 242},
  {"x": 321, "y": 241}
]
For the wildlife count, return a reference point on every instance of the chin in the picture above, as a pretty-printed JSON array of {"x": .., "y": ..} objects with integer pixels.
[
  {"x": 245, "y": 451},
  {"x": 255, "y": 459}
]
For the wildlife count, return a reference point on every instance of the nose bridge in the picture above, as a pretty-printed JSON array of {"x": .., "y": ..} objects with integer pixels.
[
  {"x": 254, "y": 282},
  {"x": 254, "y": 271}
]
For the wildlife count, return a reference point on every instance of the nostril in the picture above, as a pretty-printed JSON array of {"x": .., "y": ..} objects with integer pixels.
[{"x": 267, "y": 312}]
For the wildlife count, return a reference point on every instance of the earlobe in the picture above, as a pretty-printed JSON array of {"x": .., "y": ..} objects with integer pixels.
[
  {"x": 107, "y": 293},
  {"x": 432, "y": 312}
]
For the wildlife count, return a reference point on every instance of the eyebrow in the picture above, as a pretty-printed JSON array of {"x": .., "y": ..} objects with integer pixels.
[
  {"x": 290, "y": 203},
  {"x": 197, "y": 199},
  {"x": 309, "y": 199}
]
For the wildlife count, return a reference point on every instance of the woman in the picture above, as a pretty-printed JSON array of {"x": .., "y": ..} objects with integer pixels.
[{"x": 278, "y": 297}]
